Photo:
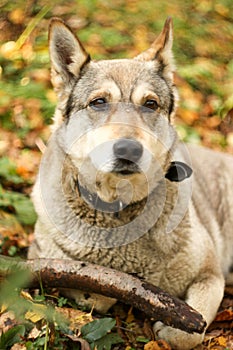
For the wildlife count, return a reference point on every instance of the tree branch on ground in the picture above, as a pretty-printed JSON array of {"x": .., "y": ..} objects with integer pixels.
[{"x": 153, "y": 301}]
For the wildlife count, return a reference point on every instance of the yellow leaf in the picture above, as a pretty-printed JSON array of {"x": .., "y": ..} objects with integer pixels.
[
  {"x": 157, "y": 345},
  {"x": 3, "y": 308},
  {"x": 77, "y": 318},
  {"x": 26, "y": 295},
  {"x": 222, "y": 341},
  {"x": 17, "y": 16},
  {"x": 130, "y": 316},
  {"x": 36, "y": 315}
]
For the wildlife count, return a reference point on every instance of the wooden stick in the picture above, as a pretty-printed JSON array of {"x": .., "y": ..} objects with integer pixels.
[{"x": 81, "y": 275}]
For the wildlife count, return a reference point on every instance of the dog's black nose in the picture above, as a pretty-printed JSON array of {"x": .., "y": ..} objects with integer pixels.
[{"x": 128, "y": 149}]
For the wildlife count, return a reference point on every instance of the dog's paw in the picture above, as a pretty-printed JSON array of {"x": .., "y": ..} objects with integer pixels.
[{"x": 179, "y": 340}]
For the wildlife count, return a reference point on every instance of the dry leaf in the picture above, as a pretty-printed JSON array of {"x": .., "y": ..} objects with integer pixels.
[
  {"x": 229, "y": 290},
  {"x": 7, "y": 321},
  {"x": 130, "y": 317},
  {"x": 84, "y": 344},
  {"x": 222, "y": 341},
  {"x": 18, "y": 346},
  {"x": 77, "y": 318},
  {"x": 157, "y": 345},
  {"x": 26, "y": 295},
  {"x": 213, "y": 334},
  {"x": 36, "y": 315},
  {"x": 225, "y": 315},
  {"x": 34, "y": 333},
  {"x": 17, "y": 16},
  {"x": 12, "y": 229}
]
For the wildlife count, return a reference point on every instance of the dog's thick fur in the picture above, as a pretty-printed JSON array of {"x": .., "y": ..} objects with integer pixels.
[{"x": 184, "y": 246}]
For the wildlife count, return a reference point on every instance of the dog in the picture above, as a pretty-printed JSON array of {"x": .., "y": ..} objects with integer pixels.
[{"x": 117, "y": 188}]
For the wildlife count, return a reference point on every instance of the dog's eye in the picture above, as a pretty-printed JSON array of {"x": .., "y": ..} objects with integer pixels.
[
  {"x": 151, "y": 104},
  {"x": 98, "y": 104}
]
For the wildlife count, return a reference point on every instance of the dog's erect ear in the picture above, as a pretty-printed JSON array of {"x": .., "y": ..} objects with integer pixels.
[
  {"x": 66, "y": 53},
  {"x": 161, "y": 49}
]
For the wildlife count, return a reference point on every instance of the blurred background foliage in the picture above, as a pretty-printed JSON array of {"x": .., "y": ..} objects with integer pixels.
[{"x": 203, "y": 50}]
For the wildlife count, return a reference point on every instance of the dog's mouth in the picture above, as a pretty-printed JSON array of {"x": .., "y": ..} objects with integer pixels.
[{"x": 125, "y": 167}]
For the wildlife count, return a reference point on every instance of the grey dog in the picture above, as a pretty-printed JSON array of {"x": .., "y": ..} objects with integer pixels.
[{"x": 117, "y": 188}]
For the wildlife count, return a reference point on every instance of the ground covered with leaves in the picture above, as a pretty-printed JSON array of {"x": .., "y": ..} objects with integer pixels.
[{"x": 203, "y": 51}]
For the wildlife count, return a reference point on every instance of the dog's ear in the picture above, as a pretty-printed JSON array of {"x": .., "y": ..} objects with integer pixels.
[
  {"x": 178, "y": 171},
  {"x": 67, "y": 55},
  {"x": 161, "y": 50}
]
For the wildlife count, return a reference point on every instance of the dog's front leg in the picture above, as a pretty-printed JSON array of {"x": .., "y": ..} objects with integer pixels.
[{"x": 204, "y": 295}]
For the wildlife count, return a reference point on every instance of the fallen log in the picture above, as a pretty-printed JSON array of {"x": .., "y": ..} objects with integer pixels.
[{"x": 128, "y": 289}]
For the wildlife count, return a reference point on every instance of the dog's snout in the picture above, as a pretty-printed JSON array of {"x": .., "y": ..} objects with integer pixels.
[{"x": 128, "y": 149}]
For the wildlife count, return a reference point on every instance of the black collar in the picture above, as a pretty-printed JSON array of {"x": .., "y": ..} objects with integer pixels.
[
  {"x": 178, "y": 171},
  {"x": 97, "y": 203}
]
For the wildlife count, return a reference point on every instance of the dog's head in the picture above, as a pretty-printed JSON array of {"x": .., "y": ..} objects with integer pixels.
[{"x": 114, "y": 117}]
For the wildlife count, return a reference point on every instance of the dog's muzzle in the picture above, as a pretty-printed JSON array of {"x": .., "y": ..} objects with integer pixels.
[{"x": 127, "y": 153}]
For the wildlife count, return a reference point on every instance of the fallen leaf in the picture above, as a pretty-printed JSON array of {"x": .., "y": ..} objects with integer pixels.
[
  {"x": 213, "y": 334},
  {"x": 147, "y": 329},
  {"x": 130, "y": 317},
  {"x": 84, "y": 344},
  {"x": 157, "y": 345},
  {"x": 34, "y": 333},
  {"x": 225, "y": 315},
  {"x": 222, "y": 341},
  {"x": 17, "y": 16},
  {"x": 229, "y": 290},
  {"x": 18, "y": 346},
  {"x": 26, "y": 295},
  {"x": 7, "y": 321},
  {"x": 36, "y": 315},
  {"x": 77, "y": 318},
  {"x": 12, "y": 232}
]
